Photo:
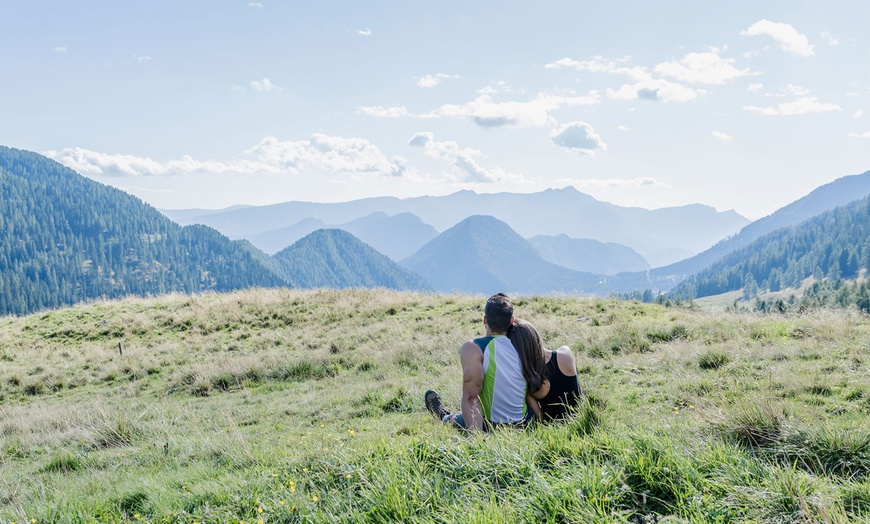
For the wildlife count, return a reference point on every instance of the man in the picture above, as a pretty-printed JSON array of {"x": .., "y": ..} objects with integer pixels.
[{"x": 493, "y": 387}]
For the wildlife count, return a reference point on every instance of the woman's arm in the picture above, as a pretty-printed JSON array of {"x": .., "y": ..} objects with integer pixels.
[{"x": 535, "y": 406}]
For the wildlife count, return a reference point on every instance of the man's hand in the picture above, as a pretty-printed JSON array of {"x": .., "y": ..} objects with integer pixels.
[{"x": 472, "y": 382}]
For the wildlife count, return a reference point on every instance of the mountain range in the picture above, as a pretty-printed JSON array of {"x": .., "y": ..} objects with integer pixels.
[
  {"x": 661, "y": 236},
  {"x": 66, "y": 239}
]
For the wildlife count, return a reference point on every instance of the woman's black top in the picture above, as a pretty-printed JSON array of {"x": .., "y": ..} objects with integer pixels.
[{"x": 564, "y": 391}]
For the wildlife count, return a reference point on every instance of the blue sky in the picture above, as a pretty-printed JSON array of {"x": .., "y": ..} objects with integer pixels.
[{"x": 738, "y": 105}]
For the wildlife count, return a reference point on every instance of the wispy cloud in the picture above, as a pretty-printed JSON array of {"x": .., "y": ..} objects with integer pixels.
[
  {"x": 383, "y": 112},
  {"x": 860, "y": 135},
  {"x": 723, "y": 136},
  {"x": 327, "y": 153},
  {"x": 830, "y": 39},
  {"x": 858, "y": 113},
  {"x": 795, "y": 90},
  {"x": 579, "y": 137},
  {"x": 143, "y": 58},
  {"x": 89, "y": 162},
  {"x": 646, "y": 86},
  {"x": 788, "y": 38},
  {"x": 752, "y": 88},
  {"x": 485, "y": 112},
  {"x": 324, "y": 153},
  {"x": 624, "y": 129},
  {"x": 364, "y": 32},
  {"x": 264, "y": 86},
  {"x": 462, "y": 160},
  {"x": 433, "y": 80},
  {"x": 60, "y": 49},
  {"x": 702, "y": 68},
  {"x": 620, "y": 182},
  {"x": 807, "y": 105},
  {"x": 257, "y": 5}
]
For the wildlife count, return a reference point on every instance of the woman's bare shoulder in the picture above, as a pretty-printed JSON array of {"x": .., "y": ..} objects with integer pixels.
[{"x": 566, "y": 361}]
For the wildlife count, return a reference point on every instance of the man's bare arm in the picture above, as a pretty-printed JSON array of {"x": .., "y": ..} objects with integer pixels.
[{"x": 472, "y": 382}]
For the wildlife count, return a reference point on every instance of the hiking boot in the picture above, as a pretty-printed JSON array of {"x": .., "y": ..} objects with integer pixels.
[{"x": 434, "y": 405}]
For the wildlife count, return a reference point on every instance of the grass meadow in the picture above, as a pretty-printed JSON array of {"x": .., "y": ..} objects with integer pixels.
[{"x": 280, "y": 406}]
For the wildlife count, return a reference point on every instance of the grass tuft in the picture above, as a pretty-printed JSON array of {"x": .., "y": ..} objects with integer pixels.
[{"x": 713, "y": 359}]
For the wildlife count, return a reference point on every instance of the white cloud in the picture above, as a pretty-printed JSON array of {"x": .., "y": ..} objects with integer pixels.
[
  {"x": 830, "y": 39},
  {"x": 433, "y": 80},
  {"x": 788, "y": 38},
  {"x": 321, "y": 152},
  {"x": 500, "y": 87},
  {"x": 645, "y": 85},
  {"x": 723, "y": 136},
  {"x": 579, "y": 137},
  {"x": 752, "y": 88},
  {"x": 144, "y": 58},
  {"x": 792, "y": 89},
  {"x": 462, "y": 160},
  {"x": 702, "y": 68},
  {"x": 858, "y": 114},
  {"x": 621, "y": 182},
  {"x": 328, "y": 153},
  {"x": 484, "y": 112},
  {"x": 236, "y": 87},
  {"x": 802, "y": 106},
  {"x": 364, "y": 32},
  {"x": 624, "y": 129},
  {"x": 60, "y": 49},
  {"x": 257, "y": 5},
  {"x": 860, "y": 135},
  {"x": 89, "y": 162},
  {"x": 383, "y": 112},
  {"x": 264, "y": 86}
]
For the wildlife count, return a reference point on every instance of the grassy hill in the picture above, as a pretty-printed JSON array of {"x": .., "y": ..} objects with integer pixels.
[{"x": 306, "y": 406}]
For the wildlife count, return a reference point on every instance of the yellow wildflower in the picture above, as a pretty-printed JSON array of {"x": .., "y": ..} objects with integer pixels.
[
  {"x": 314, "y": 498},
  {"x": 352, "y": 432},
  {"x": 260, "y": 509}
]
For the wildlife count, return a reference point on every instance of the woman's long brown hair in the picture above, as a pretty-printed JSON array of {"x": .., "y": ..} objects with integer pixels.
[{"x": 527, "y": 342}]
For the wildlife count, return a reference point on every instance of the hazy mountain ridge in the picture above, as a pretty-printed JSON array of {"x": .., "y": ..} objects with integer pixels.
[
  {"x": 482, "y": 254},
  {"x": 660, "y": 235},
  {"x": 588, "y": 255}
]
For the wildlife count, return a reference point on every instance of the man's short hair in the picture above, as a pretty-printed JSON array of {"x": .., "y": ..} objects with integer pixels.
[{"x": 499, "y": 313}]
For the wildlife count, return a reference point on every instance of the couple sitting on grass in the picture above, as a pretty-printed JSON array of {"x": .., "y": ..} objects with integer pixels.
[{"x": 508, "y": 377}]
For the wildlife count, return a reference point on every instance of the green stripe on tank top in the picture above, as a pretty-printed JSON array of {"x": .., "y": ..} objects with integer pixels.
[{"x": 486, "y": 392}]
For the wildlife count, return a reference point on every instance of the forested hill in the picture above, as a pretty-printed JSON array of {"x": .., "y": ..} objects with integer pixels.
[
  {"x": 65, "y": 239},
  {"x": 835, "y": 244},
  {"x": 334, "y": 258}
]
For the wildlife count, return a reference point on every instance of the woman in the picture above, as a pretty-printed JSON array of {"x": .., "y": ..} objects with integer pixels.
[{"x": 551, "y": 376}]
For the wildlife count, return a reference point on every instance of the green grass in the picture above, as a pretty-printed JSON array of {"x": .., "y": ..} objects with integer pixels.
[{"x": 293, "y": 406}]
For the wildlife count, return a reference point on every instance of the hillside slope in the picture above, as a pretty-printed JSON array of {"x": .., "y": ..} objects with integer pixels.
[
  {"x": 65, "y": 239},
  {"x": 834, "y": 244},
  {"x": 334, "y": 258}
]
